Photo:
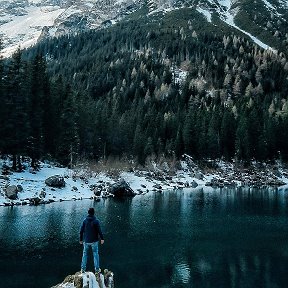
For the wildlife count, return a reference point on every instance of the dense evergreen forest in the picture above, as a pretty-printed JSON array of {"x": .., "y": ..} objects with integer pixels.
[{"x": 146, "y": 90}]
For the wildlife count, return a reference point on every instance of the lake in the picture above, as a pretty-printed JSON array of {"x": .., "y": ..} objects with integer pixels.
[{"x": 186, "y": 238}]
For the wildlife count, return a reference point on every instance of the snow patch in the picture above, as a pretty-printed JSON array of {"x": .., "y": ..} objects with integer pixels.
[
  {"x": 26, "y": 29},
  {"x": 33, "y": 184},
  {"x": 228, "y": 17},
  {"x": 273, "y": 8},
  {"x": 206, "y": 13},
  {"x": 225, "y": 3},
  {"x": 79, "y": 183},
  {"x": 268, "y": 5},
  {"x": 284, "y": 3},
  {"x": 179, "y": 75},
  {"x": 35, "y": 1}
]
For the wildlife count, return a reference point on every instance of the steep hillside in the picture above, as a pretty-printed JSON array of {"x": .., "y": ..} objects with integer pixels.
[
  {"x": 164, "y": 84},
  {"x": 161, "y": 82},
  {"x": 24, "y": 22}
]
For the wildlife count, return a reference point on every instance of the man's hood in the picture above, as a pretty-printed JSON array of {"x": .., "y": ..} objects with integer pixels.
[{"x": 90, "y": 218}]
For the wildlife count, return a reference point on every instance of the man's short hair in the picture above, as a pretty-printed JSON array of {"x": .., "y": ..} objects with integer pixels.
[{"x": 91, "y": 211}]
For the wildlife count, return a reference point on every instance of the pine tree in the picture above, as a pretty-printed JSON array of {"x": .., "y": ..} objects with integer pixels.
[
  {"x": 227, "y": 135},
  {"x": 189, "y": 134},
  {"x": 68, "y": 142},
  {"x": 15, "y": 100},
  {"x": 242, "y": 145},
  {"x": 139, "y": 145},
  {"x": 39, "y": 111},
  {"x": 3, "y": 107},
  {"x": 179, "y": 143},
  {"x": 149, "y": 148}
]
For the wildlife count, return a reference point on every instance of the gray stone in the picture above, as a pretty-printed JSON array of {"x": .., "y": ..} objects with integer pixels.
[
  {"x": 55, "y": 181},
  {"x": 11, "y": 192},
  {"x": 121, "y": 189},
  {"x": 277, "y": 173},
  {"x": 194, "y": 184},
  {"x": 42, "y": 194},
  {"x": 199, "y": 176},
  {"x": 19, "y": 188},
  {"x": 35, "y": 201},
  {"x": 97, "y": 192}
]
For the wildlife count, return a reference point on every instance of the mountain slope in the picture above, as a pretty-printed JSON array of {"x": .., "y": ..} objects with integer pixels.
[
  {"x": 24, "y": 22},
  {"x": 161, "y": 82}
]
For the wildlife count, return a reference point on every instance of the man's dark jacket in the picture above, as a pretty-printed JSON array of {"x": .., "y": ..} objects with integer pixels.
[{"x": 91, "y": 230}]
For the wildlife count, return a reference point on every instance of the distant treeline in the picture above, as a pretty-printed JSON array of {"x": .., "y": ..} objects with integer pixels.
[{"x": 119, "y": 92}]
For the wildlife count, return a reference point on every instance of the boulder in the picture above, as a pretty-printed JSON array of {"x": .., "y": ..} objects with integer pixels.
[
  {"x": 121, "y": 189},
  {"x": 55, "y": 181},
  {"x": 194, "y": 184},
  {"x": 157, "y": 186},
  {"x": 97, "y": 192},
  {"x": 79, "y": 280},
  {"x": 277, "y": 173},
  {"x": 42, "y": 194},
  {"x": 19, "y": 188},
  {"x": 199, "y": 176},
  {"x": 35, "y": 201},
  {"x": 11, "y": 192}
]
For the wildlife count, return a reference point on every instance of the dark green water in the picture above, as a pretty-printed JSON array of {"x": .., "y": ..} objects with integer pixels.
[{"x": 214, "y": 238}]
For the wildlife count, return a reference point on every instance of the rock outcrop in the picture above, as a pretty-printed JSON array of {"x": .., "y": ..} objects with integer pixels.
[{"x": 88, "y": 280}]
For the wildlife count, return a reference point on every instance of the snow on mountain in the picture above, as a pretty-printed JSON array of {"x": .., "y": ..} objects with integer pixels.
[
  {"x": 225, "y": 9},
  {"x": 272, "y": 7},
  {"x": 227, "y": 14},
  {"x": 24, "y": 22},
  {"x": 206, "y": 13},
  {"x": 228, "y": 17},
  {"x": 25, "y": 29}
]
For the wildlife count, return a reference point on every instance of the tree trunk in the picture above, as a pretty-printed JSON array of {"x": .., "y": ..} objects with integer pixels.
[
  {"x": 14, "y": 165},
  {"x": 33, "y": 162},
  {"x": 19, "y": 165}
]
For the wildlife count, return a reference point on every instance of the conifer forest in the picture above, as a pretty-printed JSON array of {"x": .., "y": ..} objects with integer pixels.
[{"x": 146, "y": 92}]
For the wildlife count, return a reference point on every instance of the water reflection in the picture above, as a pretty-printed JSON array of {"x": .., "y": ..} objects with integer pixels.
[
  {"x": 196, "y": 238},
  {"x": 181, "y": 273}
]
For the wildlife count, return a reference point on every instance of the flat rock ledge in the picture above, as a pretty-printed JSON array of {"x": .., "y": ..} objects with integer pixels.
[{"x": 88, "y": 280}]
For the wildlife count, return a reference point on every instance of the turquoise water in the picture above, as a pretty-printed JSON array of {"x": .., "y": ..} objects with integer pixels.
[{"x": 189, "y": 238}]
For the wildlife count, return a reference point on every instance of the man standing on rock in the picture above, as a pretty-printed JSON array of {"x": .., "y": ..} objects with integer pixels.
[{"x": 90, "y": 233}]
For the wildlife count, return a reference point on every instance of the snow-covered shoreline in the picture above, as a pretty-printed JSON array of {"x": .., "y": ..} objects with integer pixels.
[{"x": 84, "y": 184}]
